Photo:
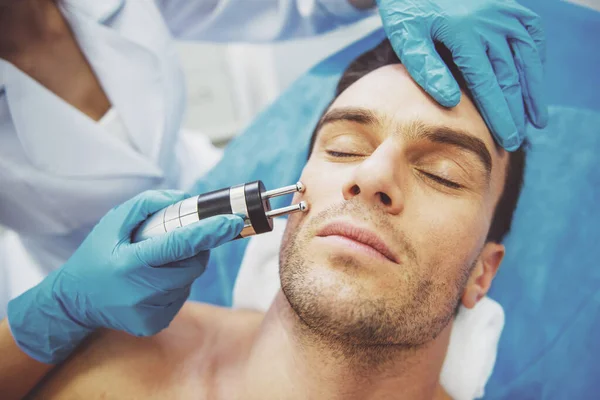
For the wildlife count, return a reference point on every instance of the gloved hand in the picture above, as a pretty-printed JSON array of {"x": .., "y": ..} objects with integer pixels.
[
  {"x": 111, "y": 283},
  {"x": 498, "y": 45}
]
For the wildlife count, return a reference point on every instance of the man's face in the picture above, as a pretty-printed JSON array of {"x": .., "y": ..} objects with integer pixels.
[{"x": 401, "y": 194}]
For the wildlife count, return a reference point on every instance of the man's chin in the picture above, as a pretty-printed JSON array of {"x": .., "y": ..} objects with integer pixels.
[{"x": 339, "y": 312}]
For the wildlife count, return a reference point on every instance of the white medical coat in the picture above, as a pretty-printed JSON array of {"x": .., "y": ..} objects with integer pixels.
[{"x": 60, "y": 172}]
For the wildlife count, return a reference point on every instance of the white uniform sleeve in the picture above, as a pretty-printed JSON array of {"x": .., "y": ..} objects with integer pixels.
[
  {"x": 256, "y": 20},
  {"x": 4, "y": 292}
]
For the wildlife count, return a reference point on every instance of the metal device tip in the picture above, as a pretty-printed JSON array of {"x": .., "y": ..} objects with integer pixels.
[
  {"x": 302, "y": 206},
  {"x": 298, "y": 187}
]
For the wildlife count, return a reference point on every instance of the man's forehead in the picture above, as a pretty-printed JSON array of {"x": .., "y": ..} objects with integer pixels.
[
  {"x": 382, "y": 89},
  {"x": 390, "y": 94}
]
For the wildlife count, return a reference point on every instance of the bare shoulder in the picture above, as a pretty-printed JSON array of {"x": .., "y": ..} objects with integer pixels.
[{"x": 170, "y": 364}]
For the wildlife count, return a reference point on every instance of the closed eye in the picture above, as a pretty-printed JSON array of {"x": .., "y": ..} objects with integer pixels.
[
  {"x": 340, "y": 154},
  {"x": 441, "y": 180}
]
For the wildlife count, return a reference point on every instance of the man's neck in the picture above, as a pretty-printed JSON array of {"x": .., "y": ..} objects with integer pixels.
[
  {"x": 292, "y": 361},
  {"x": 25, "y": 24}
]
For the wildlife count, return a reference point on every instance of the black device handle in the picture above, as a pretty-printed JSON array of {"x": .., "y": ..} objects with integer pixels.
[{"x": 214, "y": 203}]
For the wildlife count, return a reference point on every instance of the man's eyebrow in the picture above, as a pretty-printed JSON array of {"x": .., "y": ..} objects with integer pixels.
[
  {"x": 415, "y": 130},
  {"x": 454, "y": 137},
  {"x": 359, "y": 115}
]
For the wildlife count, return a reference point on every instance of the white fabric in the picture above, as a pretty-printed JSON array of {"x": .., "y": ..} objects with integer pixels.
[
  {"x": 340, "y": 8},
  {"x": 256, "y": 20},
  {"x": 472, "y": 351},
  {"x": 19, "y": 271},
  {"x": 197, "y": 155},
  {"x": 4, "y": 284},
  {"x": 60, "y": 171},
  {"x": 16, "y": 280},
  {"x": 473, "y": 342},
  {"x": 114, "y": 125}
]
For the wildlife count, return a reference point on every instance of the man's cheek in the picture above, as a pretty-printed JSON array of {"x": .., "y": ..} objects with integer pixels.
[
  {"x": 451, "y": 236},
  {"x": 295, "y": 221},
  {"x": 319, "y": 195},
  {"x": 324, "y": 178}
]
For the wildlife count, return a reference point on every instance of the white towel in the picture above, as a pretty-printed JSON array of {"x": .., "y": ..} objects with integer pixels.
[{"x": 473, "y": 342}]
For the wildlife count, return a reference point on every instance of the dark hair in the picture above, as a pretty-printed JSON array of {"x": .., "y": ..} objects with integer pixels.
[{"x": 382, "y": 55}]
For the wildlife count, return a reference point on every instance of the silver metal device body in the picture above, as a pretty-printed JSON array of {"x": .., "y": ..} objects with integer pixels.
[
  {"x": 237, "y": 200},
  {"x": 187, "y": 212},
  {"x": 175, "y": 216}
]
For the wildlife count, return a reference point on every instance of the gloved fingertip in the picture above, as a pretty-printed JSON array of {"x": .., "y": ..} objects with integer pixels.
[
  {"x": 511, "y": 143},
  {"x": 175, "y": 195},
  {"x": 449, "y": 99},
  {"x": 214, "y": 231},
  {"x": 234, "y": 222},
  {"x": 432, "y": 74},
  {"x": 446, "y": 92},
  {"x": 233, "y": 218},
  {"x": 540, "y": 120}
]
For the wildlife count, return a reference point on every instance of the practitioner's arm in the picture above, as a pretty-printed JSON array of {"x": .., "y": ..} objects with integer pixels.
[{"x": 18, "y": 372}]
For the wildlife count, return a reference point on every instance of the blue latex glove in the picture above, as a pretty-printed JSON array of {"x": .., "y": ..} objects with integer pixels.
[
  {"x": 111, "y": 283},
  {"x": 498, "y": 45}
]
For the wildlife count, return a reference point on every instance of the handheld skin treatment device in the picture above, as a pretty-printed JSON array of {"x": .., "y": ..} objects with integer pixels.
[{"x": 250, "y": 201}]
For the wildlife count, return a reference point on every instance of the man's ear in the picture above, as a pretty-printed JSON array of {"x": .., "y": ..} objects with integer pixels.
[{"x": 482, "y": 275}]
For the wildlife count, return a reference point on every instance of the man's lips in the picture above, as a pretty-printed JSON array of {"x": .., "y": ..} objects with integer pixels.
[{"x": 359, "y": 235}]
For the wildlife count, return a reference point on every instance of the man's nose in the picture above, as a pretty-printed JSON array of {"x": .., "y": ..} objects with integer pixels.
[{"x": 375, "y": 180}]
